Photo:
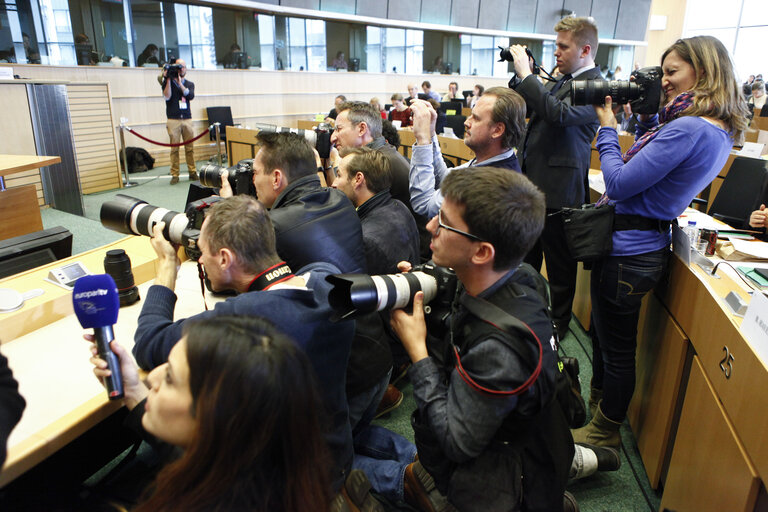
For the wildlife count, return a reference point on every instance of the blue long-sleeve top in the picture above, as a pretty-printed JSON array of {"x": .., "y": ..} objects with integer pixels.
[{"x": 662, "y": 178}]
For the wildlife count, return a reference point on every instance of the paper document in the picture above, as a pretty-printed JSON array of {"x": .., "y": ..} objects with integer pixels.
[{"x": 756, "y": 250}]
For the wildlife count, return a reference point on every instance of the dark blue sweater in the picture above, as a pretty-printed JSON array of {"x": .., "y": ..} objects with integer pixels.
[{"x": 662, "y": 178}]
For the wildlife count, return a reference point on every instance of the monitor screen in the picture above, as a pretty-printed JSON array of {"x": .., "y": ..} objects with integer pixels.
[{"x": 26, "y": 252}]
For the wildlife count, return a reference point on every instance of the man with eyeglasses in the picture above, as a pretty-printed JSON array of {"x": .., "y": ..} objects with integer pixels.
[
  {"x": 489, "y": 434},
  {"x": 493, "y": 131}
]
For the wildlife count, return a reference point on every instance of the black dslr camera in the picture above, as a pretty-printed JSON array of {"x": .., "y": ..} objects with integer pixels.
[
  {"x": 356, "y": 294},
  {"x": 132, "y": 216},
  {"x": 240, "y": 177},
  {"x": 172, "y": 71},
  {"x": 643, "y": 94}
]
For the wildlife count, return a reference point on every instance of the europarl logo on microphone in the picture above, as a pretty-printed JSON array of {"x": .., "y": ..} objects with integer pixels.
[{"x": 91, "y": 293}]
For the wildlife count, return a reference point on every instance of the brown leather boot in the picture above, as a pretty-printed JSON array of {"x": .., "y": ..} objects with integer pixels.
[{"x": 420, "y": 491}]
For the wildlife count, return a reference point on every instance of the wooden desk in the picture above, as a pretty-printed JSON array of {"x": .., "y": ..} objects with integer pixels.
[
  {"x": 700, "y": 434},
  {"x": 241, "y": 144},
  {"x": 44, "y": 345},
  {"x": 19, "y": 208}
]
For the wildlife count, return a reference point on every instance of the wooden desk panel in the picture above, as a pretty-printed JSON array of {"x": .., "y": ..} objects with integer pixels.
[
  {"x": 661, "y": 351},
  {"x": 20, "y": 212},
  {"x": 709, "y": 469}
]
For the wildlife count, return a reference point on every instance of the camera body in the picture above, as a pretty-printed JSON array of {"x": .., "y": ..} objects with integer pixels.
[
  {"x": 240, "y": 177},
  {"x": 643, "y": 94},
  {"x": 172, "y": 71}
]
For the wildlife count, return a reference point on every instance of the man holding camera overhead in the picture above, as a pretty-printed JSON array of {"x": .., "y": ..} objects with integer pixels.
[
  {"x": 557, "y": 149},
  {"x": 178, "y": 93}
]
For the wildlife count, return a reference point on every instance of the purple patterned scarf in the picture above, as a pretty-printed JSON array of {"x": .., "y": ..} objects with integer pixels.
[{"x": 671, "y": 111}]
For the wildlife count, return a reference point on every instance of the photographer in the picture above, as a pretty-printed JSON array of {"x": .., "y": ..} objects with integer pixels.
[
  {"x": 178, "y": 93},
  {"x": 237, "y": 244},
  {"x": 493, "y": 131},
  {"x": 489, "y": 441},
  {"x": 557, "y": 150},
  {"x": 652, "y": 184},
  {"x": 210, "y": 400}
]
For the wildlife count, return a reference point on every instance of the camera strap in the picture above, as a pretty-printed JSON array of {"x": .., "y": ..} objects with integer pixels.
[
  {"x": 503, "y": 321},
  {"x": 270, "y": 277}
]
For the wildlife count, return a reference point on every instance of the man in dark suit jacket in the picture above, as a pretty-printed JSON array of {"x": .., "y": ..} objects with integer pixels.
[{"x": 557, "y": 149}]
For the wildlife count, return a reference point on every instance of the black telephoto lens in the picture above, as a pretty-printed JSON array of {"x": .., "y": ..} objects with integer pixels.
[{"x": 118, "y": 265}]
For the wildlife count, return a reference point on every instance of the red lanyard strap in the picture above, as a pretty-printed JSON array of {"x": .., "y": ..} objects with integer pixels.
[{"x": 505, "y": 322}]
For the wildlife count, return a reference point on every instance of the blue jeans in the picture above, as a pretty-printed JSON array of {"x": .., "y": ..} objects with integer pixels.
[
  {"x": 618, "y": 286},
  {"x": 363, "y": 406},
  {"x": 383, "y": 456}
]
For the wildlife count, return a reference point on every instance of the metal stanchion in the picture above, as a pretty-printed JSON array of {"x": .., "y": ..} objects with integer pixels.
[
  {"x": 127, "y": 182},
  {"x": 218, "y": 140}
]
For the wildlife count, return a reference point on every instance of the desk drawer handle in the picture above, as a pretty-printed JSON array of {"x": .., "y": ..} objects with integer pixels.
[{"x": 725, "y": 363}]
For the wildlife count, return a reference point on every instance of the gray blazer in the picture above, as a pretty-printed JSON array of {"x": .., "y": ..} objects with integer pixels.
[{"x": 558, "y": 140}]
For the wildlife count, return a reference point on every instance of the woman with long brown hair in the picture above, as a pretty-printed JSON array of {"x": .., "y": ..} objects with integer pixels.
[
  {"x": 675, "y": 156},
  {"x": 238, "y": 397}
]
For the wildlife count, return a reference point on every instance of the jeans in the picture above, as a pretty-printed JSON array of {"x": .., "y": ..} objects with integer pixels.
[
  {"x": 383, "y": 456},
  {"x": 618, "y": 286},
  {"x": 363, "y": 406}
]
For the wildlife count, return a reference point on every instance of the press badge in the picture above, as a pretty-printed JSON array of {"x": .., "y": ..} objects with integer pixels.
[{"x": 183, "y": 104}]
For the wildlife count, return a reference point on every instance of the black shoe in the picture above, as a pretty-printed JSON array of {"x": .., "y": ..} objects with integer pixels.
[
  {"x": 569, "y": 503},
  {"x": 608, "y": 459},
  {"x": 571, "y": 365},
  {"x": 398, "y": 372}
]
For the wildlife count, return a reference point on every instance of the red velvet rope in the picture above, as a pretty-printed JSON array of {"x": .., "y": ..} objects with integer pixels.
[{"x": 190, "y": 141}]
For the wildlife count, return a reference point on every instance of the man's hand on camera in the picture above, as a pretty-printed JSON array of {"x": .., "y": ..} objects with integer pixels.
[
  {"x": 134, "y": 389},
  {"x": 167, "y": 258},
  {"x": 226, "y": 189},
  {"x": 411, "y": 329},
  {"x": 523, "y": 66},
  {"x": 424, "y": 120},
  {"x": 605, "y": 114}
]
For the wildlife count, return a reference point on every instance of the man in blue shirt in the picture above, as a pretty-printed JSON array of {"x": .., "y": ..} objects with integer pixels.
[{"x": 178, "y": 93}]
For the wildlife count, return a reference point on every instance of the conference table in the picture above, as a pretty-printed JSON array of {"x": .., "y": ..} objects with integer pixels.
[
  {"x": 50, "y": 360},
  {"x": 18, "y": 205}
]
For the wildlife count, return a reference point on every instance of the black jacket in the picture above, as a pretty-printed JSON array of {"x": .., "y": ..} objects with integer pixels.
[
  {"x": 389, "y": 234},
  {"x": 558, "y": 140},
  {"x": 11, "y": 405},
  {"x": 313, "y": 223}
]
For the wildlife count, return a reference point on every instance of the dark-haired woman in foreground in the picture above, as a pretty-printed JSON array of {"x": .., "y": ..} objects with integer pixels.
[
  {"x": 238, "y": 397},
  {"x": 678, "y": 155}
]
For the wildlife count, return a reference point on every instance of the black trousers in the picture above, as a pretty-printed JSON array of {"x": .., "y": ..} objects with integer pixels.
[{"x": 561, "y": 268}]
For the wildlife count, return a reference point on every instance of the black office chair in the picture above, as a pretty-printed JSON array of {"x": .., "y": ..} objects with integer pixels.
[
  {"x": 457, "y": 124},
  {"x": 221, "y": 115},
  {"x": 456, "y": 106},
  {"x": 743, "y": 189}
]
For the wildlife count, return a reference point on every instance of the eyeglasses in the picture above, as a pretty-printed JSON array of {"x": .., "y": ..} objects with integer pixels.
[{"x": 449, "y": 228}]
